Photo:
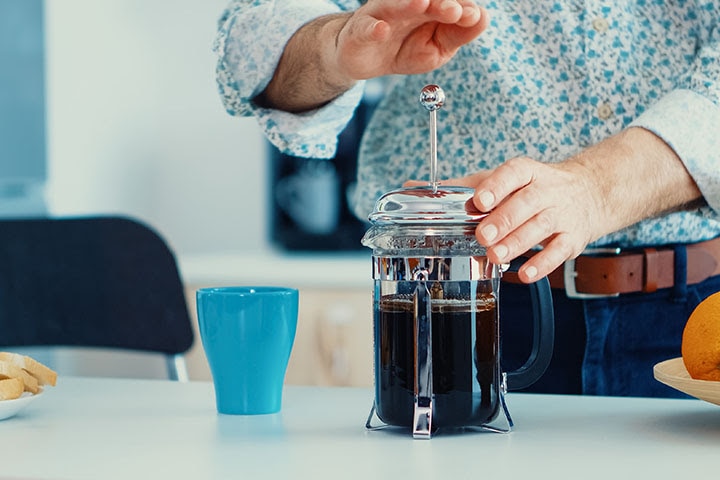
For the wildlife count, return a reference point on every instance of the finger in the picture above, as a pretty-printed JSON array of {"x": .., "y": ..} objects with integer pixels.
[
  {"x": 414, "y": 183},
  {"x": 399, "y": 7},
  {"x": 364, "y": 28},
  {"x": 519, "y": 240},
  {"x": 445, "y": 11},
  {"x": 472, "y": 14},
  {"x": 469, "y": 181},
  {"x": 453, "y": 36},
  {"x": 464, "y": 13},
  {"x": 556, "y": 252},
  {"x": 525, "y": 208},
  {"x": 506, "y": 179},
  {"x": 422, "y": 183}
]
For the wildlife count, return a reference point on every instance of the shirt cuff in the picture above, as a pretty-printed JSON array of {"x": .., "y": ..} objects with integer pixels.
[
  {"x": 689, "y": 123},
  {"x": 311, "y": 134},
  {"x": 250, "y": 42}
]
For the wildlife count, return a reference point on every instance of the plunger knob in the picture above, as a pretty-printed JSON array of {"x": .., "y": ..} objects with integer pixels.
[{"x": 432, "y": 97}]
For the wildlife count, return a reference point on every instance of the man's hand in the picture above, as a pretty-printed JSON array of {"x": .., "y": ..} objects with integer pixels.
[
  {"x": 531, "y": 203},
  {"x": 564, "y": 206},
  {"x": 405, "y": 36},
  {"x": 329, "y": 55}
]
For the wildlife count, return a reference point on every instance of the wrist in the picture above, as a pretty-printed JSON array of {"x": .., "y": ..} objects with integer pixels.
[
  {"x": 632, "y": 176},
  {"x": 306, "y": 76}
]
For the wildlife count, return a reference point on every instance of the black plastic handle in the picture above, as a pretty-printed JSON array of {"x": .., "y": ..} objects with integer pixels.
[{"x": 543, "y": 333}]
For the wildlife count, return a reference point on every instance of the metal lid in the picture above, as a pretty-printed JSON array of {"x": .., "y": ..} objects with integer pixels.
[{"x": 446, "y": 205}]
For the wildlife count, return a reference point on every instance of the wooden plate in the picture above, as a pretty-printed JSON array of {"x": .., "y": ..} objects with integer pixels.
[{"x": 673, "y": 374}]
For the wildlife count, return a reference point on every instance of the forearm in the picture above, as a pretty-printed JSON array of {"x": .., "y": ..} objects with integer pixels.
[
  {"x": 307, "y": 76},
  {"x": 638, "y": 176}
]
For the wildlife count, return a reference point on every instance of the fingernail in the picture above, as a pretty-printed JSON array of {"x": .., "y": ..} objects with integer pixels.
[
  {"x": 489, "y": 232},
  {"x": 471, "y": 11},
  {"x": 531, "y": 272},
  {"x": 448, "y": 4},
  {"x": 501, "y": 251},
  {"x": 486, "y": 199}
]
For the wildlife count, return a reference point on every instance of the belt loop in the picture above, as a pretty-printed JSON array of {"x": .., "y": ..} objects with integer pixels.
[
  {"x": 652, "y": 270},
  {"x": 680, "y": 273}
]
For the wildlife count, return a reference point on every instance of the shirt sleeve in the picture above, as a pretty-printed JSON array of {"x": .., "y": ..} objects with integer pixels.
[
  {"x": 688, "y": 120},
  {"x": 251, "y": 37}
]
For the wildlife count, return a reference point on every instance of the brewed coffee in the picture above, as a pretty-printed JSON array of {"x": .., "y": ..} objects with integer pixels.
[{"x": 464, "y": 358}]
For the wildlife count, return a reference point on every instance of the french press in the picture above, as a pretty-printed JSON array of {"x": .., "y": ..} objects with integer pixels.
[{"x": 435, "y": 307}]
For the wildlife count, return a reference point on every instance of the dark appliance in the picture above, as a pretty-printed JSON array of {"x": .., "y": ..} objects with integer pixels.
[{"x": 309, "y": 197}]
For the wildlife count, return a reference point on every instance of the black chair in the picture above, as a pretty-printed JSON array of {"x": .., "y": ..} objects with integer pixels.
[{"x": 107, "y": 282}]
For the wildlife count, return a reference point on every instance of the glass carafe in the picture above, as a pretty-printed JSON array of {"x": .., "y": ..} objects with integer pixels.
[{"x": 436, "y": 317}]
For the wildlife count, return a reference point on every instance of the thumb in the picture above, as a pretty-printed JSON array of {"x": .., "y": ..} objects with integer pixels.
[
  {"x": 365, "y": 28},
  {"x": 471, "y": 181}
]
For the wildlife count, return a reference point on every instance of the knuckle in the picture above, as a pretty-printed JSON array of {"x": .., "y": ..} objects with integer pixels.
[
  {"x": 504, "y": 221},
  {"x": 560, "y": 247},
  {"x": 514, "y": 174},
  {"x": 515, "y": 165},
  {"x": 549, "y": 260},
  {"x": 533, "y": 197},
  {"x": 515, "y": 245},
  {"x": 564, "y": 248},
  {"x": 545, "y": 223}
]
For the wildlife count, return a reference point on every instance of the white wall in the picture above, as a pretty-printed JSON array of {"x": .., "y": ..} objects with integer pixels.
[{"x": 135, "y": 125}]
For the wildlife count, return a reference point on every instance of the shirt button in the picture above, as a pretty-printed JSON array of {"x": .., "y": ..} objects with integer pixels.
[
  {"x": 604, "y": 111},
  {"x": 600, "y": 25}
]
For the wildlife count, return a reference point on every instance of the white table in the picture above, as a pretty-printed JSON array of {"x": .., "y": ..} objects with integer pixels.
[{"x": 127, "y": 429}]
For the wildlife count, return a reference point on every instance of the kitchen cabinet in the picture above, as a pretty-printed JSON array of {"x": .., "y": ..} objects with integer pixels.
[{"x": 334, "y": 338}]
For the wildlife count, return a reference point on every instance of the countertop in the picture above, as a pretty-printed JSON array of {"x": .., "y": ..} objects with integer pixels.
[
  {"x": 126, "y": 428},
  {"x": 308, "y": 270}
]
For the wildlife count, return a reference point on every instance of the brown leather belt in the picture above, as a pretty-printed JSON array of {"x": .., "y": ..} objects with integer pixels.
[{"x": 607, "y": 272}]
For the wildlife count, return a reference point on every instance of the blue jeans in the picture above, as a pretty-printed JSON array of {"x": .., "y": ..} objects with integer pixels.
[{"x": 606, "y": 346}]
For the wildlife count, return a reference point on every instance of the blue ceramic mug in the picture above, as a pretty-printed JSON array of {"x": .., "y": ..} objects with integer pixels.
[{"x": 247, "y": 334}]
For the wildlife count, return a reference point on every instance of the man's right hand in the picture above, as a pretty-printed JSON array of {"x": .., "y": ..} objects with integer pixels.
[
  {"x": 329, "y": 55},
  {"x": 405, "y": 36}
]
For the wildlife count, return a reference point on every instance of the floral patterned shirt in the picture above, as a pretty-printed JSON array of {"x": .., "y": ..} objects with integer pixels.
[{"x": 547, "y": 79}]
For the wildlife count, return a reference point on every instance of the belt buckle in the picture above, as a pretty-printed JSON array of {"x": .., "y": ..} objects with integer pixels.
[{"x": 569, "y": 275}]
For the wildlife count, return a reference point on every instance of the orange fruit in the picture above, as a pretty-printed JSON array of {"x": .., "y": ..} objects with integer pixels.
[{"x": 701, "y": 340}]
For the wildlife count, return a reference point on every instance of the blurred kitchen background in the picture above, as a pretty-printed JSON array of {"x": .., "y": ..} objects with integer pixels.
[
  {"x": 135, "y": 124},
  {"x": 110, "y": 106}
]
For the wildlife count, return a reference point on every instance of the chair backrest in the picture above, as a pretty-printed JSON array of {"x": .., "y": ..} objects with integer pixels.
[{"x": 91, "y": 282}]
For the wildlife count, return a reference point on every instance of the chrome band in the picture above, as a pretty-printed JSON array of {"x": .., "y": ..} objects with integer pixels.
[
  {"x": 437, "y": 268},
  {"x": 422, "y": 412}
]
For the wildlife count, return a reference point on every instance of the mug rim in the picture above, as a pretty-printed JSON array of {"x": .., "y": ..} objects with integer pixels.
[{"x": 247, "y": 290}]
